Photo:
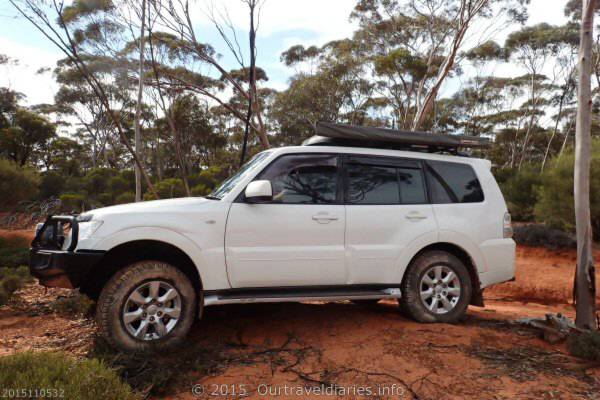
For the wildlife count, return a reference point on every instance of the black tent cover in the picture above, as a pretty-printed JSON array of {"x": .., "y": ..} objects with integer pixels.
[{"x": 366, "y": 134}]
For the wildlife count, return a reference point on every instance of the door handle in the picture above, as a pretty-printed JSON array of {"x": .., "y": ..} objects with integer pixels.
[
  {"x": 415, "y": 216},
  {"x": 324, "y": 218}
]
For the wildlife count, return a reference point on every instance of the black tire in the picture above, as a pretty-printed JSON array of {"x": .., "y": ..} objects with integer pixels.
[
  {"x": 116, "y": 292},
  {"x": 411, "y": 304}
]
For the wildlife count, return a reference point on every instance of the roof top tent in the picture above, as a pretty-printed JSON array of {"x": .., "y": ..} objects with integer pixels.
[{"x": 330, "y": 134}]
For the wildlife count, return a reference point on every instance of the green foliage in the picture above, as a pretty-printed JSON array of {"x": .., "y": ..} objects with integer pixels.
[
  {"x": 11, "y": 280},
  {"x": 72, "y": 203},
  {"x": 536, "y": 235},
  {"x": 124, "y": 198},
  {"x": 16, "y": 184},
  {"x": 520, "y": 189},
  {"x": 555, "y": 205},
  {"x": 52, "y": 184},
  {"x": 73, "y": 379},
  {"x": 14, "y": 250},
  {"x": 170, "y": 188},
  {"x": 75, "y": 304},
  {"x": 585, "y": 345},
  {"x": 200, "y": 190},
  {"x": 26, "y": 133}
]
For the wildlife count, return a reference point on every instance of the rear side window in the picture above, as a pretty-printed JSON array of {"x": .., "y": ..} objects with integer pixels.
[
  {"x": 453, "y": 183},
  {"x": 379, "y": 184}
]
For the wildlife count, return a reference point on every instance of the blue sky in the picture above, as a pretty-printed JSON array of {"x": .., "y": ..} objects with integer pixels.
[{"x": 283, "y": 23}]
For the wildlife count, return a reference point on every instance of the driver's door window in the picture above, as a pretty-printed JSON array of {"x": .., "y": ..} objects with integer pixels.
[{"x": 303, "y": 179}]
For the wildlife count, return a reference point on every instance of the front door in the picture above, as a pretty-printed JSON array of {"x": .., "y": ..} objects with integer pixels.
[{"x": 297, "y": 239}]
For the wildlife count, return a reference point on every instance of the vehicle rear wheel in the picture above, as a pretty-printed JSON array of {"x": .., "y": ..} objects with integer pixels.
[
  {"x": 436, "y": 288},
  {"x": 146, "y": 305}
]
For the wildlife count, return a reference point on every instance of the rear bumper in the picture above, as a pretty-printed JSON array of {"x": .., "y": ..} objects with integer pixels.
[
  {"x": 500, "y": 257},
  {"x": 58, "y": 268}
]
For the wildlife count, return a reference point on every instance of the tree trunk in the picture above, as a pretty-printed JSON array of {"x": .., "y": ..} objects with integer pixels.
[
  {"x": 585, "y": 277},
  {"x": 251, "y": 81},
  {"x": 138, "y": 108}
]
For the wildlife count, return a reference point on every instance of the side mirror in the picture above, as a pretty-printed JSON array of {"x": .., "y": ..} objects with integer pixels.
[{"x": 259, "y": 191}]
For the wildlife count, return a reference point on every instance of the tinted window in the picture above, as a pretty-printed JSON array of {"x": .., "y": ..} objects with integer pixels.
[
  {"x": 371, "y": 184},
  {"x": 303, "y": 179},
  {"x": 412, "y": 189},
  {"x": 452, "y": 182}
]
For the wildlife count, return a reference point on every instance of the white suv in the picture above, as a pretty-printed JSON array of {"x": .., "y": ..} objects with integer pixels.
[{"x": 294, "y": 224}]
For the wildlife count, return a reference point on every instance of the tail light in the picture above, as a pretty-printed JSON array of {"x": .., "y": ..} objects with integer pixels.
[{"x": 507, "y": 230}]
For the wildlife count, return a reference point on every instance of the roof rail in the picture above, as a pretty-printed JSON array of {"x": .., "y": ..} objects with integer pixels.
[{"x": 331, "y": 134}]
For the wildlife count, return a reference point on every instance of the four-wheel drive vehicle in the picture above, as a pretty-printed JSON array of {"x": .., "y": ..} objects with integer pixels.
[{"x": 313, "y": 222}]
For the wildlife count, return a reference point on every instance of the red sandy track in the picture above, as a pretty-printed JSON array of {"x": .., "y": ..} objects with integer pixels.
[{"x": 266, "y": 347}]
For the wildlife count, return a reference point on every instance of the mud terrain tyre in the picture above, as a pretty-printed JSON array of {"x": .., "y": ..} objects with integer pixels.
[
  {"x": 436, "y": 288},
  {"x": 145, "y": 306}
]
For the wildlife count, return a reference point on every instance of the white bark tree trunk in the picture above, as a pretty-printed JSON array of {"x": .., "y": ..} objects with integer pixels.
[{"x": 585, "y": 276}]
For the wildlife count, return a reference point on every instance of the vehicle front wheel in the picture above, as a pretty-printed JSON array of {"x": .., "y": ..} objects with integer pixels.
[
  {"x": 146, "y": 305},
  {"x": 436, "y": 288}
]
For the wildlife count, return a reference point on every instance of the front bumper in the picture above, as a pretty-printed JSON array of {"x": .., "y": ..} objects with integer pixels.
[
  {"x": 55, "y": 267},
  {"x": 59, "y": 268}
]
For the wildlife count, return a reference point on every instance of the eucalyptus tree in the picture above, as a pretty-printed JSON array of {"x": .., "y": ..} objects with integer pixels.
[
  {"x": 176, "y": 18},
  {"x": 416, "y": 45},
  {"x": 533, "y": 47},
  {"x": 84, "y": 30},
  {"x": 336, "y": 87}
]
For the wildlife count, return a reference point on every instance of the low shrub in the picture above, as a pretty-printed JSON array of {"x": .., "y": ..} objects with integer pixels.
[
  {"x": 16, "y": 184},
  {"x": 200, "y": 190},
  {"x": 72, "y": 203},
  {"x": 14, "y": 250},
  {"x": 585, "y": 345},
  {"x": 75, "y": 304},
  {"x": 537, "y": 235},
  {"x": 170, "y": 188},
  {"x": 124, "y": 198},
  {"x": 62, "y": 377},
  {"x": 520, "y": 190},
  {"x": 11, "y": 280},
  {"x": 555, "y": 205}
]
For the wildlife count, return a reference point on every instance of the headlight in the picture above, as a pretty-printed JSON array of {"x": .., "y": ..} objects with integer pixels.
[{"x": 87, "y": 228}]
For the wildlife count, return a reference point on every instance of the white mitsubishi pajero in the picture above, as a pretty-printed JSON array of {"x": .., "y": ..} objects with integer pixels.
[{"x": 347, "y": 216}]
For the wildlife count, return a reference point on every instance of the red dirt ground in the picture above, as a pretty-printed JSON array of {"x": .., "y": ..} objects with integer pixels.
[{"x": 286, "y": 348}]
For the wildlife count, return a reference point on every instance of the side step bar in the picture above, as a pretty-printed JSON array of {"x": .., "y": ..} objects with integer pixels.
[{"x": 278, "y": 296}]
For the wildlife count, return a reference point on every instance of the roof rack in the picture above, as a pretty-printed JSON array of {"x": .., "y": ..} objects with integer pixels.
[{"x": 331, "y": 134}]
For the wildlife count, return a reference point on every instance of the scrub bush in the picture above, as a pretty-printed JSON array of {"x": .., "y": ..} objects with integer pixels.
[
  {"x": 537, "y": 235},
  {"x": 520, "y": 190},
  {"x": 58, "y": 373},
  {"x": 555, "y": 203},
  {"x": 72, "y": 203},
  {"x": 14, "y": 250},
  {"x": 17, "y": 184},
  {"x": 75, "y": 304},
  {"x": 11, "y": 280},
  {"x": 124, "y": 198}
]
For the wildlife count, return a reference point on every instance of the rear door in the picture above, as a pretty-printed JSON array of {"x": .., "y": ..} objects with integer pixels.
[
  {"x": 386, "y": 209},
  {"x": 297, "y": 239}
]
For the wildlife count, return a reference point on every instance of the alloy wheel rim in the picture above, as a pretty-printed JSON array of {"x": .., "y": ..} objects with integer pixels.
[
  {"x": 439, "y": 289},
  {"x": 152, "y": 310}
]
